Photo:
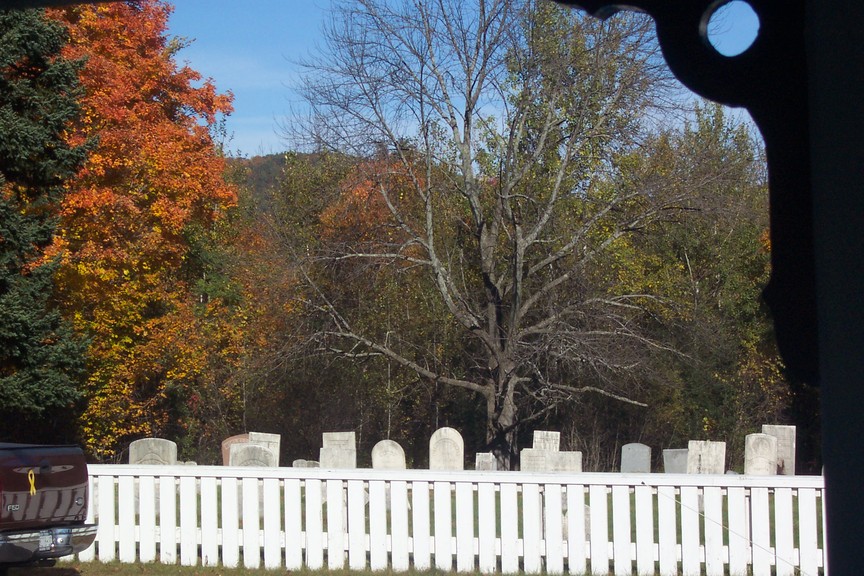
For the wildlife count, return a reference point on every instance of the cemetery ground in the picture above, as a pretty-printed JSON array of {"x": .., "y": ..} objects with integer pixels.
[{"x": 158, "y": 569}]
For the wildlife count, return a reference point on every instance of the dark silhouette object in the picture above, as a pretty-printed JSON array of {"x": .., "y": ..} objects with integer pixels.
[{"x": 801, "y": 81}]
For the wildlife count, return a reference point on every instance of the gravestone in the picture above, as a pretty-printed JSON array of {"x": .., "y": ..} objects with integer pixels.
[
  {"x": 485, "y": 462},
  {"x": 337, "y": 458},
  {"x": 251, "y": 455},
  {"x": 535, "y": 460},
  {"x": 228, "y": 442},
  {"x": 675, "y": 460},
  {"x": 785, "y": 447},
  {"x": 636, "y": 458},
  {"x": 301, "y": 463},
  {"x": 153, "y": 451},
  {"x": 272, "y": 442},
  {"x": 706, "y": 457},
  {"x": 345, "y": 440},
  {"x": 446, "y": 450},
  {"x": 388, "y": 455},
  {"x": 339, "y": 450},
  {"x": 565, "y": 461},
  {"x": 760, "y": 455},
  {"x": 546, "y": 440}
]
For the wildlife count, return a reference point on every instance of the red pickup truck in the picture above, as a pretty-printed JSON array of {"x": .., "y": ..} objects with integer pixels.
[{"x": 43, "y": 503}]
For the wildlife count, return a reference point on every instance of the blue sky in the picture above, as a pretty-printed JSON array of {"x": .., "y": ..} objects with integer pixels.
[{"x": 250, "y": 47}]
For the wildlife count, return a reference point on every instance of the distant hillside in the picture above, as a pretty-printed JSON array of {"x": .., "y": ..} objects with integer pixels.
[{"x": 260, "y": 174}]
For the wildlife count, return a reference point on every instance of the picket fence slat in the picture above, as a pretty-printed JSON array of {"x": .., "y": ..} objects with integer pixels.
[
  {"x": 621, "y": 534},
  {"x": 576, "y": 542},
  {"x": 443, "y": 526},
  {"x": 336, "y": 518},
  {"x": 739, "y": 530},
  {"x": 644, "y": 499},
  {"x": 209, "y": 522},
  {"x": 808, "y": 542},
  {"x": 553, "y": 537},
  {"x": 400, "y": 555},
  {"x": 667, "y": 530},
  {"x": 509, "y": 528},
  {"x": 784, "y": 546},
  {"x": 784, "y": 554},
  {"x": 531, "y": 528},
  {"x": 89, "y": 554},
  {"x": 464, "y": 527},
  {"x": 486, "y": 527},
  {"x": 272, "y": 524},
  {"x": 147, "y": 518},
  {"x": 314, "y": 524},
  {"x": 230, "y": 522},
  {"x": 250, "y": 510},
  {"x": 599, "y": 529},
  {"x": 691, "y": 561},
  {"x": 294, "y": 543},
  {"x": 715, "y": 555},
  {"x": 761, "y": 523},
  {"x": 422, "y": 535},
  {"x": 105, "y": 531},
  {"x": 377, "y": 526},
  {"x": 489, "y": 523},
  {"x": 126, "y": 518},
  {"x": 188, "y": 521}
]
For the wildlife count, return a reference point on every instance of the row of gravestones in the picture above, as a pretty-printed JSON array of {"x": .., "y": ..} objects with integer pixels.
[{"x": 771, "y": 452}]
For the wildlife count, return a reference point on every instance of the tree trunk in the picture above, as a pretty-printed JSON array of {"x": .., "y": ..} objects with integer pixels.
[{"x": 501, "y": 429}]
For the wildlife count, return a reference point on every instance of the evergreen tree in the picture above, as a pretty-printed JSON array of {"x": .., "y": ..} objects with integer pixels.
[{"x": 41, "y": 359}]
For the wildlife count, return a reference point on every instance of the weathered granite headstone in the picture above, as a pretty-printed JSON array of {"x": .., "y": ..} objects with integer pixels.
[
  {"x": 272, "y": 442},
  {"x": 535, "y": 460},
  {"x": 547, "y": 440},
  {"x": 446, "y": 450},
  {"x": 388, "y": 455},
  {"x": 636, "y": 458},
  {"x": 760, "y": 455},
  {"x": 301, "y": 463},
  {"x": 339, "y": 450},
  {"x": 485, "y": 461},
  {"x": 251, "y": 455},
  {"x": 153, "y": 451},
  {"x": 346, "y": 440},
  {"x": 675, "y": 460},
  {"x": 785, "y": 447},
  {"x": 565, "y": 461},
  {"x": 706, "y": 457},
  {"x": 226, "y": 446},
  {"x": 337, "y": 458}
]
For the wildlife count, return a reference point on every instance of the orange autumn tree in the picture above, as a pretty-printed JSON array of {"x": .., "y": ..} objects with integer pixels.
[
  {"x": 153, "y": 183},
  {"x": 360, "y": 219}
]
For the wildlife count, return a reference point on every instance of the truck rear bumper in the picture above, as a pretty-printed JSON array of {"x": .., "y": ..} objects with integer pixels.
[{"x": 34, "y": 545}]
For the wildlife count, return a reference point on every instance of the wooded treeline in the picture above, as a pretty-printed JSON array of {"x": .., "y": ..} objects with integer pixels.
[{"x": 503, "y": 219}]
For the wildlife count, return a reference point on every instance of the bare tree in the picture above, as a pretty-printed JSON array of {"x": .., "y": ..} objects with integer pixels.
[{"x": 506, "y": 124}]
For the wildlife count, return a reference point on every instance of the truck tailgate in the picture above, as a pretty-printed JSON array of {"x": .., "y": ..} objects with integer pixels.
[{"x": 41, "y": 486}]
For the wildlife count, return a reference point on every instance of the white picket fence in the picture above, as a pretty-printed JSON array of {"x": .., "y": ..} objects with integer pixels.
[{"x": 491, "y": 522}]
